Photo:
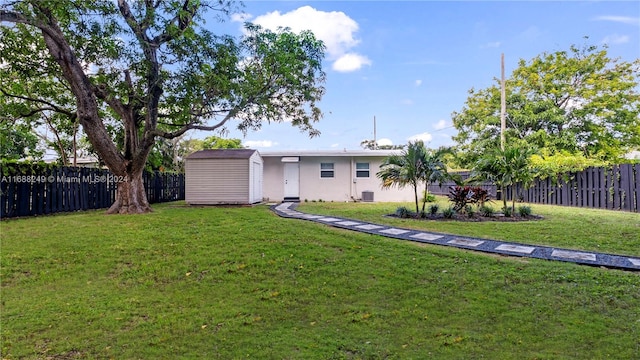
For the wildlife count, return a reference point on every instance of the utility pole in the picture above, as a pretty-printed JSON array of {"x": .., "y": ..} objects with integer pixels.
[
  {"x": 503, "y": 104},
  {"x": 375, "y": 139}
]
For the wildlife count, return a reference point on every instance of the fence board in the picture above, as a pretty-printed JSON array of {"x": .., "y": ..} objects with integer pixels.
[{"x": 636, "y": 173}]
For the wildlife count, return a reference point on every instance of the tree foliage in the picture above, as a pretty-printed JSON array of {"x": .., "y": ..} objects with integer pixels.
[
  {"x": 17, "y": 141},
  {"x": 130, "y": 72},
  {"x": 169, "y": 154},
  {"x": 577, "y": 101}
]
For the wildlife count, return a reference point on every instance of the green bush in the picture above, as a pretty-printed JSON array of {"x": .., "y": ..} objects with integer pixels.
[
  {"x": 428, "y": 198},
  {"x": 449, "y": 212},
  {"x": 524, "y": 210},
  {"x": 433, "y": 209},
  {"x": 487, "y": 211},
  {"x": 507, "y": 211},
  {"x": 470, "y": 211},
  {"x": 403, "y": 212}
]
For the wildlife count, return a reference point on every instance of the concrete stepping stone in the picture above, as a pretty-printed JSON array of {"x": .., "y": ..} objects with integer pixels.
[
  {"x": 426, "y": 236},
  {"x": 516, "y": 248},
  {"x": 329, "y": 219},
  {"x": 573, "y": 255},
  {"x": 394, "y": 231},
  {"x": 466, "y": 242},
  {"x": 348, "y": 223},
  {"x": 369, "y": 227}
]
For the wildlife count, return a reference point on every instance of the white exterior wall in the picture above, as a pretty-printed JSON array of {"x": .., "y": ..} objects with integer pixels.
[
  {"x": 273, "y": 178},
  {"x": 341, "y": 187},
  {"x": 255, "y": 178},
  {"x": 217, "y": 181}
]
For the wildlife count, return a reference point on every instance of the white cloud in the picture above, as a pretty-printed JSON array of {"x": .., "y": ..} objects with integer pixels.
[
  {"x": 493, "y": 44},
  {"x": 425, "y": 137},
  {"x": 615, "y": 39},
  {"x": 335, "y": 29},
  {"x": 259, "y": 143},
  {"x": 384, "y": 142},
  {"x": 240, "y": 17},
  {"x": 418, "y": 82},
  {"x": 335, "y": 145},
  {"x": 621, "y": 19},
  {"x": 440, "y": 125},
  {"x": 350, "y": 62}
]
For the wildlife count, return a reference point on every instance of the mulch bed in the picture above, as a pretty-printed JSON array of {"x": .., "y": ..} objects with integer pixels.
[{"x": 475, "y": 218}]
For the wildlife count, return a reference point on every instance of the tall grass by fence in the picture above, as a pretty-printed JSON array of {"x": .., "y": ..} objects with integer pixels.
[
  {"x": 63, "y": 189},
  {"x": 614, "y": 188}
]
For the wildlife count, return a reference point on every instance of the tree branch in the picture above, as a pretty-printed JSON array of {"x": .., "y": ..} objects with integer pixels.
[
  {"x": 180, "y": 20},
  {"x": 13, "y": 17},
  {"x": 52, "y": 107}
]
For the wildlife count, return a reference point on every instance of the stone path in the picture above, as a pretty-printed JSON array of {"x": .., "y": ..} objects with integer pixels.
[{"x": 288, "y": 210}]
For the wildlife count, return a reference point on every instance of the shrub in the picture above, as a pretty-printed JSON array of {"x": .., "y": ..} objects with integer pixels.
[
  {"x": 448, "y": 212},
  {"x": 460, "y": 197},
  {"x": 433, "y": 209},
  {"x": 487, "y": 211},
  {"x": 428, "y": 198},
  {"x": 470, "y": 211},
  {"x": 463, "y": 196},
  {"x": 403, "y": 212},
  {"x": 524, "y": 211},
  {"x": 507, "y": 211},
  {"x": 480, "y": 196}
]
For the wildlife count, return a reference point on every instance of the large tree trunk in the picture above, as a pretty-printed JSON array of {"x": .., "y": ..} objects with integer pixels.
[{"x": 131, "y": 197}]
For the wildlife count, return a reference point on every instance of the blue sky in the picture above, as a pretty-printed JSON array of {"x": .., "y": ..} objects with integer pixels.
[{"x": 411, "y": 63}]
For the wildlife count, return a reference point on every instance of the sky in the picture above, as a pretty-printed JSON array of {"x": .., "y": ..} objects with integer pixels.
[{"x": 410, "y": 64}]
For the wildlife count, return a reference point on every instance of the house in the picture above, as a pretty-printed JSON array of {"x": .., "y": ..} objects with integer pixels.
[
  {"x": 328, "y": 176},
  {"x": 223, "y": 176}
]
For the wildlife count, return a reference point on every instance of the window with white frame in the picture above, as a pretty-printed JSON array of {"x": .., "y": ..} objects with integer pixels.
[
  {"x": 326, "y": 170},
  {"x": 362, "y": 170}
]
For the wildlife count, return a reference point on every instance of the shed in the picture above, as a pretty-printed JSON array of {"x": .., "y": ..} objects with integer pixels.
[{"x": 223, "y": 176}]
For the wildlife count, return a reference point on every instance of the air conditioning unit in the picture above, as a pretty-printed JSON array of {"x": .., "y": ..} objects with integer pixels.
[{"x": 367, "y": 196}]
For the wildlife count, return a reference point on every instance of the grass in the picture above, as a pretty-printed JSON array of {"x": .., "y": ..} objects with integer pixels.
[
  {"x": 241, "y": 283},
  {"x": 575, "y": 228}
]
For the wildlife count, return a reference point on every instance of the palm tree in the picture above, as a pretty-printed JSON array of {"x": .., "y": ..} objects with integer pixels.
[
  {"x": 506, "y": 168},
  {"x": 433, "y": 169},
  {"x": 404, "y": 169}
]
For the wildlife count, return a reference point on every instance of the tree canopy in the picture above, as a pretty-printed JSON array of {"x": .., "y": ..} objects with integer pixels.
[
  {"x": 579, "y": 101},
  {"x": 130, "y": 72}
]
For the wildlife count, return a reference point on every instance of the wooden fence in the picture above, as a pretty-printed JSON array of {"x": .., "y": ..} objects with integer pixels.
[
  {"x": 64, "y": 189},
  {"x": 615, "y": 188}
]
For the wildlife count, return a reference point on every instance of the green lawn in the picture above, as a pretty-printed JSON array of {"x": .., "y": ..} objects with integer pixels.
[{"x": 242, "y": 283}]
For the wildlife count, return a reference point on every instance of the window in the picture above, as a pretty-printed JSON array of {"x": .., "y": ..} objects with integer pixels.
[
  {"x": 326, "y": 170},
  {"x": 362, "y": 170}
]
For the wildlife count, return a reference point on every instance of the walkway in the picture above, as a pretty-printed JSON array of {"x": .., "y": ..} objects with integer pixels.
[{"x": 287, "y": 210}]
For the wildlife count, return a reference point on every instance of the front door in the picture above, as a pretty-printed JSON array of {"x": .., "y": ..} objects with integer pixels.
[{"x": 291, "y": 180}]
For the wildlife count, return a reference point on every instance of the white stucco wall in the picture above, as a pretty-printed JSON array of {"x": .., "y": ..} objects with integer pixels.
[{"x": 344, "y": 186}]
